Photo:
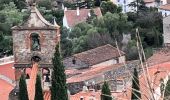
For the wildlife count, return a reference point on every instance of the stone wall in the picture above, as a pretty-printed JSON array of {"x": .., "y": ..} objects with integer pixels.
[
  {"x": 166, "y": 29},
  {"x": 110, "y": 76},
  {"x": 68, "y": 62},
  {"x": 22, "y": 46}
]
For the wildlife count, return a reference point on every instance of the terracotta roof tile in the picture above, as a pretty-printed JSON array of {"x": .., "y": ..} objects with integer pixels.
[
  {"x": 93, "y": 72},
  {"x": 5, "y": 89},
  {"x": 149, "y": 1},
  {"x": 99, "y": 54},
  {"x": 8, "y": 71},
  {"x": 73, "y": 19},
  {"x": 165, "y": 7},
  {"x": 86, "y": 95},
  {"x": 156, "y": 72}
]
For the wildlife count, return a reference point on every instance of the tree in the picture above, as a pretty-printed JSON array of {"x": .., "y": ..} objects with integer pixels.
[
  {"x": 106, "y": 94},
  {"x": 38, "y": 89},
  {"x": 97, "y": 3},
  {"x": 91, "y": 17},
  {"x": 89, "y": 3},
  {"x": 167, "y": 90},
  {"x": 59, "y": 87},
  {"x": 108, "y": 6},
  {"x": 136, "y": 95},
  {"x": 138, "y": 6},
  {"x": 23, "y": 95},
  {"x": 20, "y": 4}
]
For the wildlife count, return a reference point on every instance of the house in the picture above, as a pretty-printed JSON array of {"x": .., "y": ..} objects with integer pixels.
[
  {"x": 124, "y": 4},
  {"x": 154, "y": 3},
  {"x": 159, "y": 74},
  {"x": 166, "y": 30},
  {"x": 73, "y": 17},
  {"x": 165, "y": 9},
  {"x": 100, "y": 56},
  {"x": 95, "y": 76}
]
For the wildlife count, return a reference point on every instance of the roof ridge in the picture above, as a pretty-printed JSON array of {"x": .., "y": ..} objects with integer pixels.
[
  {"x": 94, "y": 49},
  {"x": 43, "y": 19}
]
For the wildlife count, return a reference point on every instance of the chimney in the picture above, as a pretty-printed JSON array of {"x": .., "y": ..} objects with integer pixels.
[
  {"x": 81, "y": 98},
  {"x": 89, "y": 15},
  {"x": 65, "y": 9},
  {"x": 85, "y": 89},
  {"x": 78, "y": 11}
]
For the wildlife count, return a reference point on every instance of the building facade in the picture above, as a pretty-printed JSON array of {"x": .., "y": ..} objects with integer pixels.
[
  {"x": 101, "y": 56},
  {"x": 34, "y": 41}
]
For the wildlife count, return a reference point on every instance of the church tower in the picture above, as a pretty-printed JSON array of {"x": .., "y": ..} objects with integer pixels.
[{"x": 34, "y": 41}]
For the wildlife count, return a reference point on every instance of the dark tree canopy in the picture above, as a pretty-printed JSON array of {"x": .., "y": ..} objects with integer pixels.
[
  {"x": 136, "y": 95},
  {"x": 38, "y": 89},
  {"x": 23, "y": 94},
  {"x": 59, "y": 87},
  {"x": 106, "y": 94},
  {"x": 167, "y": 90}
]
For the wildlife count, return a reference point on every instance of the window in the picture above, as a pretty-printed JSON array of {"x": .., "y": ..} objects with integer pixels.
[
  {"x": 74, "y": 61},
  {"x": 35, "y": 42}
]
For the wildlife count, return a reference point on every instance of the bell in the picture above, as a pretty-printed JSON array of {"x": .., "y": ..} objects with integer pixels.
[{"x": 47, "y": 79}]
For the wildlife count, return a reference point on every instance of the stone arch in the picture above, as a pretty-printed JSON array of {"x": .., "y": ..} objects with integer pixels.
[
  {"x": 35, "y": 42},
  {"x": 35, "y": 58}
]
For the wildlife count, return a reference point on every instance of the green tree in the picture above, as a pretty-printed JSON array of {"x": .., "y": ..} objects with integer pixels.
[
  {"x": 97, "y": 3},
  {"x": 38, "y": 89},
  {"x": 91, "y": 17},
  {"x": 108, "y": 6},
  {"x": 167, "y": 90},
  {"x": 136, "y": 95},
  {"x": 23, "y": 95},
  {"x": 138, "y": 6},
  {"x": 20, "y": 4},
  {"x": 89, "y": 3},
  {"x": 59, "y": 87},
  {"x": 106, "y": 94}
]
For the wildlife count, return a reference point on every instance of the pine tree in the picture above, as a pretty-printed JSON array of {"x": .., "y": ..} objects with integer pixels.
[
  {"x": 135, "y": 86},
  {"x": 106, "y": 94},
  {"x": 38, "y": 89},
  {"x": 167, "y": 90},
  {"x": 23, "y": 94},
  {"x": 97, "y": 3},
  {"x": 59, "y": 88}
]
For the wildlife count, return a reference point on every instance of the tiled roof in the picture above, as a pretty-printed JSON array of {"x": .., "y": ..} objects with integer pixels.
[
  {"x": 99, "y": 54},
  {"x": 86, "y": 95},
  {"x": 8, "y": 71},
  {"x": 5, "y": 89},
  {"x": 93, "y": 72},
  {"x": 165, "y": 7},
  {"x": 149, "y": 1},
  {"x": 156, "y": 73},
  {"x": 73, "y": 19},
  {"x": 160, "y": 56}
]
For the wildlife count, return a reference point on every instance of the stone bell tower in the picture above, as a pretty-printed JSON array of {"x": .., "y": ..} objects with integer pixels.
[{"x": 34, "y": 40}]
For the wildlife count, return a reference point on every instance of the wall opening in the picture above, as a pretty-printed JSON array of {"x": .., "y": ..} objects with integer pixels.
[
  {"x": 35, "y": 58},
  {"x": 35, "y": 42}
]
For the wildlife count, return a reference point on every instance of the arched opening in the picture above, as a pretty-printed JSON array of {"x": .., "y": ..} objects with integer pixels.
[
  {"x": 35, "y": 58},
  {"x": 46, "y": 74},
  {"x": 35, "y": 42}
]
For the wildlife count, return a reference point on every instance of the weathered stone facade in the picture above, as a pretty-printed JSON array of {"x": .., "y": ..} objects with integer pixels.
[
  {"x": 100, "y": 56},
  {"x": 34, "y": 41},
  {"x": 26, "y": 46},
  {"x": 166, "y": 29},
  {"x": 110, "y": 76},
  {"x": 22, "y": 49}
]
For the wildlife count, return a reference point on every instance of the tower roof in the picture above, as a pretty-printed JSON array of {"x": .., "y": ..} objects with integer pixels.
[{"x": 36, "y": 21}]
